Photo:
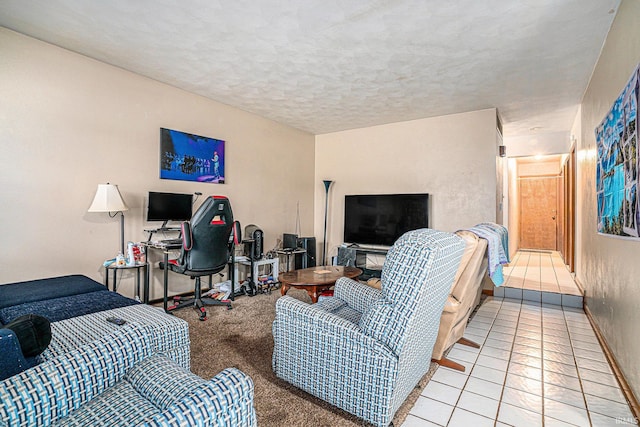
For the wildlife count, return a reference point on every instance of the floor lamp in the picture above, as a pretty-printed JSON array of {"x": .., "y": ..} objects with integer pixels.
[
  {"x": 108, "y": 199},
  {"x": 327, "y": 184}
]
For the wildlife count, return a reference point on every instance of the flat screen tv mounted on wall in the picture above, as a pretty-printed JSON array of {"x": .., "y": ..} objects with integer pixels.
[
  {"x": 169, "y": 207},
  {"x": 379, "y": 219}
]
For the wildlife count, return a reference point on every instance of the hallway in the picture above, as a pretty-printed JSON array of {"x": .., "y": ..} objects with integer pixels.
[
  {"x": 540, "y": 276},
  {"x": 539, "y": 364}
]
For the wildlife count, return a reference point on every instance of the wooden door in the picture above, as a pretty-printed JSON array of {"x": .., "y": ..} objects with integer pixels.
[{"x": 538, "y": 212}]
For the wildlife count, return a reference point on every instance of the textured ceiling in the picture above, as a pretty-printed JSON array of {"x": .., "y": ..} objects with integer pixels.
[{"x": 329, "y": 65}]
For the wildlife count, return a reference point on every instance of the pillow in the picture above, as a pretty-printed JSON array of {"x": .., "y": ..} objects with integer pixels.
[{"x": 33, "y": 333}]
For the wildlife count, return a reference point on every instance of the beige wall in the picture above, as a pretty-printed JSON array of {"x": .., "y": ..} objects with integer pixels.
[
  {"x": 68, "y": 122},
  {"x": 453, "y": 158},
  {"x": 609, "y": 267},
  {"x": 538, "y": 144},
  {"x": 545, "y": 166}
]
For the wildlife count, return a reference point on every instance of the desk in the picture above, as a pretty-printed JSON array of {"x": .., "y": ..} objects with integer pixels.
[
  {"x": 145, "y": 266},
  {"x": 168, "y": 247},
  {"x": 165, "y": 248},
  {"x": 152, "y": 231},
  {"x": 287, "y": 253}
]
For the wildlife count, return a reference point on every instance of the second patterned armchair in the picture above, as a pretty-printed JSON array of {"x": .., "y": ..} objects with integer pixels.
[
  {"x": 119, "y": 380},
  {"x": 365, "y": 349}
]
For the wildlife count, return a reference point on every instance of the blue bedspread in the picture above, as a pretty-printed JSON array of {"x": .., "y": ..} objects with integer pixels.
[
  {"x": 43, "y": 289},
  {"x": 497, "y": 250},
  {"x": 57, "y": 298},
  {"x": 57, "y": 309}
]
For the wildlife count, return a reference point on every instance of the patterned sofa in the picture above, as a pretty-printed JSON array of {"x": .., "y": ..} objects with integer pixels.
[
  {"x": 364, "y": 349},
  {"x": 78, "y": 308},
  {"x": 119, "y": 380}
]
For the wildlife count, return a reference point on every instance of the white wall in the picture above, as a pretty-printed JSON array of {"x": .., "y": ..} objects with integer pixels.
[
  {"x": 68, "y": 122},
  {"x": 453, "y": 158},
  {"x": 579, "y": 217},
  {"x": 538, "y": 144},
  {"x": 547, "y": 165},
  {"x": 609, "y": 267}
]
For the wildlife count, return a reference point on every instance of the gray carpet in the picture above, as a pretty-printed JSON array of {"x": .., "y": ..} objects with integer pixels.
[{"x": 242, "y": 338}]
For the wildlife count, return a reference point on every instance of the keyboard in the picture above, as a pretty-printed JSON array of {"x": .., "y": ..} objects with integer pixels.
[{"x": 171, "y": 241}]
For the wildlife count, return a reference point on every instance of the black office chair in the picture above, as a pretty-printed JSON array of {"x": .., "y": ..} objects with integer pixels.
[{"x": 208, "y": 243}]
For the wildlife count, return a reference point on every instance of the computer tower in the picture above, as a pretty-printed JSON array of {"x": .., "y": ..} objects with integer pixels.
[{"x": 307, "y": 259}]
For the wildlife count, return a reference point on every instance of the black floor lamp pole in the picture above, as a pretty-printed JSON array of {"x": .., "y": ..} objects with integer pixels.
[{"x": 327, "y": 184}]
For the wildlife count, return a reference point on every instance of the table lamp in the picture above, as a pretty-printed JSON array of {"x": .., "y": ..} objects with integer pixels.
[{"x": 108, "y": 199}]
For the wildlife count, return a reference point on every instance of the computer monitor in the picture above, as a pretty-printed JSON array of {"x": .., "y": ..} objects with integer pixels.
[
  {"x": 289, "y": 241},
  {"x": 167, "y": 207}
]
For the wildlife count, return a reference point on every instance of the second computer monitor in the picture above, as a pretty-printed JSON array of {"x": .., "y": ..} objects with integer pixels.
[{"x": 289, "y": 241}]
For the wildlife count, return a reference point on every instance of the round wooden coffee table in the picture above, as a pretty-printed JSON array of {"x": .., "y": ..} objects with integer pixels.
[{"x": 316, "y": 279}]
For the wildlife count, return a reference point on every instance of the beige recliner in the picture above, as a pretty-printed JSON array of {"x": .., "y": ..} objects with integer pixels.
[{"x": 463, "y": 298}]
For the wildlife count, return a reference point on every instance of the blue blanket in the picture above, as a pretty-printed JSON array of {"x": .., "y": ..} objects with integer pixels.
[
  {"x": 43, "y": 289},
  {"x": 497, "y": 250},
  {"x": 57, "y": 298}
]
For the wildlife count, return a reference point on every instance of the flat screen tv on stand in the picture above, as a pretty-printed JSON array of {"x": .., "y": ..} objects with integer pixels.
[
  {"x": 167, "y": 207},
  {"x": 380, "y": 219}
]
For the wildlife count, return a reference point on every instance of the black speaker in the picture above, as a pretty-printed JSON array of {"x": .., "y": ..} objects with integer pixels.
[
  {"x": 307, "y": 259},
  {"x": 253, "y": 243}
]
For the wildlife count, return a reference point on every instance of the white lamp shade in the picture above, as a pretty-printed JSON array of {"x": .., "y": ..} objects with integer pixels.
[{"x": 108, "y": 199}]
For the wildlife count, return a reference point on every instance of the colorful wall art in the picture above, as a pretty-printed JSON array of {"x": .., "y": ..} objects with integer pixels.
[
  {"x": 617, "y": 165},
  {"x": 188, "y": 157}
]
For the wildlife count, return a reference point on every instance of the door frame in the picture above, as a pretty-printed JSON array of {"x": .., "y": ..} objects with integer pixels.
[
  {"x": 568, "y": 167},
  {"x": 569, "y": 172},
  {"x": 520, "y": 227}
]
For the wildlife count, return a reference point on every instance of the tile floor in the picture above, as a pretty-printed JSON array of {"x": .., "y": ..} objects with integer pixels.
[
  {"x": 540, "y": 270},
  {"x": 539, "y": 364},
  {"x": 540, "y": 276}
]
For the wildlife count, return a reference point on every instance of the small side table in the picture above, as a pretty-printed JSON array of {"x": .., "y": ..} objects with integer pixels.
[
  {"x": 144, "y": 266},
  {"x": 272, "y": 262}
]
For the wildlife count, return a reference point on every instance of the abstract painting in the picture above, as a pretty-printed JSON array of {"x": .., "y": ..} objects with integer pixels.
[{"x": 617, "y": 165}]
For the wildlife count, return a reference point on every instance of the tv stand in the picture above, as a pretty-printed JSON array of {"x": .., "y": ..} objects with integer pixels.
[{"x": 376, "y": 251}]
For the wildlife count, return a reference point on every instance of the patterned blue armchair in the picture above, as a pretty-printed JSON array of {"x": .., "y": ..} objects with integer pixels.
[
  {"x": 119, "y": 380},
  {"x": 365, "y": 349}
]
